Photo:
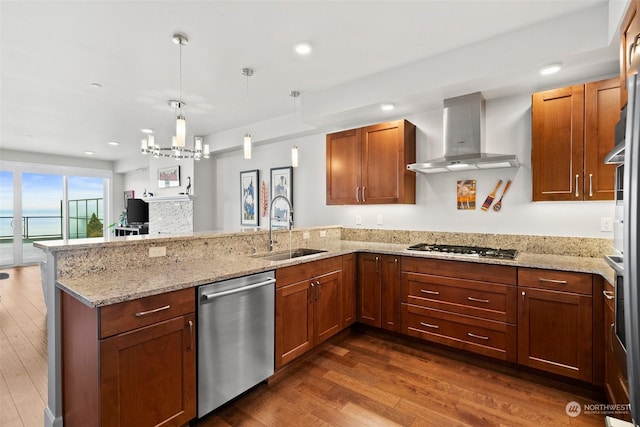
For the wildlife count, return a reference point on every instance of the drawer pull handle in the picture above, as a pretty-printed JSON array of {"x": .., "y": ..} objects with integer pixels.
[
  {"x": 429, "y": 325},
  {"x": 480, "y": 337},
  {"x": 426, "y": 291},
  {"x": 155, "y": 310},
  {"x": 577, "y": 178},
  {"x": 478, "y": 300},
  {"x": 555, "y": 282},
  {"x": 191, "y": 334},
  {"x": 608, "y": 294}
]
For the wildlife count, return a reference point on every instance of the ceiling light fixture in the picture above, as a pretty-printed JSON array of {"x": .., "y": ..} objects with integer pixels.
[
  {"x": 387, "y": 106},
  {"x": 294, "y": 151},
  {"x": 550, "y": 69},
  {"x": 302, "y": 48},
  {"x": 114, "y": 143},
  {"x": 89, "y": 153},
  {"x": 247, "y": 72},
  {"x": 181, "y": 124},
  {"x": 177, "y": 149}
]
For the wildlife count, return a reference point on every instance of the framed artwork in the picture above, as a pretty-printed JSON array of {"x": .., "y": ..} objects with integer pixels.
[
  {"x": 466, "y": 194},
  {"x": 281, "y": 185},
  {"x": 130, "y": 194},
  {"x": 250, "y": 195},
  {"x": 169, "y": 177}
]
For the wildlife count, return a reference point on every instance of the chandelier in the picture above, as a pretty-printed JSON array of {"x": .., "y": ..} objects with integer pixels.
[{"x": 177, "y": 149}]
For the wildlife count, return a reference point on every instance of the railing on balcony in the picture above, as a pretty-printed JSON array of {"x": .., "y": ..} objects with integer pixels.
[{"x": 48, "y": 227}]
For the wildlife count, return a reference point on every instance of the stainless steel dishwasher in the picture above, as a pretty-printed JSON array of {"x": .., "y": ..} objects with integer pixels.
[{"x": 235, "y": 338}]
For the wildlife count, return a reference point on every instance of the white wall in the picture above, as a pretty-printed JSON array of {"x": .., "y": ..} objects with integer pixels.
[{"x": 508, "y": 130}]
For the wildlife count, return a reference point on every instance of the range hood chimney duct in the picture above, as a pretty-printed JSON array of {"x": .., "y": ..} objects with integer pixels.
[{"x": 464, "y": 119}]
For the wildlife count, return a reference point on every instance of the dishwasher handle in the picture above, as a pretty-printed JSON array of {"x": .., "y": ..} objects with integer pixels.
[{"x": 211, "y": 296}]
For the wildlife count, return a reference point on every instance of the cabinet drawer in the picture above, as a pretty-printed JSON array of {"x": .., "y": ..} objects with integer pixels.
[
  {"x": 297, "y": 273},
  {"x": 129, "y": 315},
  {"x": 460, "y": 269},
  {"x": 486, "y": 300},
  {"x": 565, "y": 281},
  {"x": 493, "y": 339}
]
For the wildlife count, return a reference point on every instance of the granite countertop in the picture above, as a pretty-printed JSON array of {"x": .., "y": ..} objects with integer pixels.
[{"x": 113, "y": 287}]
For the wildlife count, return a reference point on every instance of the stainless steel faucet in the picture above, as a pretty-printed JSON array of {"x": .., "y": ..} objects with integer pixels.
[{"x": 271, "y": 241}]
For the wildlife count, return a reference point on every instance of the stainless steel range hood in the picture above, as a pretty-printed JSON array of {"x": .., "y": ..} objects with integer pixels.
[{"x": 464, "y": 139}]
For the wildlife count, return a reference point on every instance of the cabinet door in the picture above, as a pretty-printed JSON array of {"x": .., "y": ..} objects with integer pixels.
[
  {"x": 555, "y": 332},
  {"x": 368, "y": 300},
  {"x": 629, "y": 48},
  {"x": 294, "y": 321},
  {"x": 344, "y": 156},
  {"x": 326, "y": 306},
  {"x": 348, "y": 303},
  {"x": 390, "y": 293},
  {"x": 557, "y": 144},
  {"x": 602, "y": 101},
  {"x": 149, "y": 375},
  {"x": 387, "y": 148}
]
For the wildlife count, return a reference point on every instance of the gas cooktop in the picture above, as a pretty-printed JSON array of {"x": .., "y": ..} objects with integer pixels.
[{"x": 466, "y": 250}]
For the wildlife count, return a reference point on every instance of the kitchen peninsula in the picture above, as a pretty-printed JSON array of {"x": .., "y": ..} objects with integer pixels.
[{"x": 99, "y": 274}]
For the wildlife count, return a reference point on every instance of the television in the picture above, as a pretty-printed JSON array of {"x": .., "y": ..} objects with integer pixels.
[{"x": 137, "y": 212}]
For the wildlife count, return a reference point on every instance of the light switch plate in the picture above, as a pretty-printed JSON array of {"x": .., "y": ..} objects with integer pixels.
[
  {"x": 323, "y": 233},
  {"x": 379, "y": 222},
  {"x": 305, "y": 235},
  {"x": 358, "y": 219},
  {"x": 606, "y": 223}
]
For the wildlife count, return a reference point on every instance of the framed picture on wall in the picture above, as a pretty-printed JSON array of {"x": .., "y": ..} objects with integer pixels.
[
  {"x": 281, "y": 185},
  {"x": 250, "y": 195},
  {"x": 169, "y": 177}
]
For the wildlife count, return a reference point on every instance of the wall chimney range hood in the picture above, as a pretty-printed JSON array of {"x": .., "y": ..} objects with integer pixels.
[{"x": 464, "y": 118}]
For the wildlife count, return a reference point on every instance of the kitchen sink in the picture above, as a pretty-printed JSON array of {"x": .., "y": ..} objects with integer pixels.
[{"x": 293, "y": 253}]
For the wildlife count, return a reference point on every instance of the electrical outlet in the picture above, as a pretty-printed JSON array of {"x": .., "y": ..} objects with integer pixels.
[
  {"x": 379, "y": 220},
  {"x": 305, "y": 235},
  {"x": 358, "y": 219},
  {"x": 156, "y": 251},
  {"x": 606, "y": 223},
  {"x": 323, "y": 233}
]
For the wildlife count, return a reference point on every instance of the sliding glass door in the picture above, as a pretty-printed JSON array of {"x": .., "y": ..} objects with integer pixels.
[{"x": 38, "y": 204}]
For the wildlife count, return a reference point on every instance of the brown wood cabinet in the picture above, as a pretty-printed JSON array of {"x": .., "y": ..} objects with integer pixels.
[
  {"x": 349, "y": 270},
  {"x": 555, "y": 329},
  {"x": 462, "y": 305},
  {"x": 572, "y": 131},
  {"x": 129, "y": 364},
  {"x": 378, "y": 302},
  {"x": 369, "y": 165},
  {"x": 308, "y": 307},
  {"x": 615, "y": 382},
  {"x": 629, "y": 47}
]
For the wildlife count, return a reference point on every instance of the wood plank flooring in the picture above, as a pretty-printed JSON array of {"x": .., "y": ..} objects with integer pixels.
[{"x": 362, "y": 378}]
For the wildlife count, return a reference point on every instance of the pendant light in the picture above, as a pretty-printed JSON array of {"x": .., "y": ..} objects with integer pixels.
[
  {"x": 247, "y": 72},
  {"x": 181, "y": 124},
  {"x": 177, "y": 149},
  {"x": 294, "y": 151}
]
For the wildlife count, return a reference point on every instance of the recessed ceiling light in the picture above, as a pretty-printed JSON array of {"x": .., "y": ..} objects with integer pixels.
[
  {"x": 89, "y": 153},
  {"x": 302, "y": 48},
  {"x": 387, "y": 106},
  {"x": 96, "y": 85},
  {"x": 550, "y": 69},
  {"x": 114, "y": 143},
  {"x": 147, "y": 130}
]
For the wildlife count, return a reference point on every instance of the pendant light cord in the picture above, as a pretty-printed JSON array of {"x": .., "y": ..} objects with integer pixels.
[{"x": 180, "y": 50}]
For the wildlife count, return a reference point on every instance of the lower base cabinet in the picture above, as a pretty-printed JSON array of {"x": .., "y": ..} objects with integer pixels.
[
  {"x": 129, "y": 364},
  {"x": 462, "y": 305},
  {"x": 555, "y": 324},
  {"x": 308, "y": 307},
  {"x": 378, "y": 301}
]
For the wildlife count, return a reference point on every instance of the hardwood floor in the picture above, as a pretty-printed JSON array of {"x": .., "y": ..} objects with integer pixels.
[{"x": 360, "y": 378}]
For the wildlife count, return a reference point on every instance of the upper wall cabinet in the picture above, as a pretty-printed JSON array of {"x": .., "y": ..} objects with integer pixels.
[
  {"x": 629, "y": 47},
  {"x": 572, "y": 131},
  {"x": 369, "y": 165}
]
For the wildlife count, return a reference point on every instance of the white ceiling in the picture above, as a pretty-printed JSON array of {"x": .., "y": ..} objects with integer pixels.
[{"x": 412, "y": 53}]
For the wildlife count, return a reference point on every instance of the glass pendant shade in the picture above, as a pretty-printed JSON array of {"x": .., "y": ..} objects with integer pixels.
[
  {"x": 294, "y": 157},
  {"x": 247, "y": 146},
  {"x": 181, "y": 131}
]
